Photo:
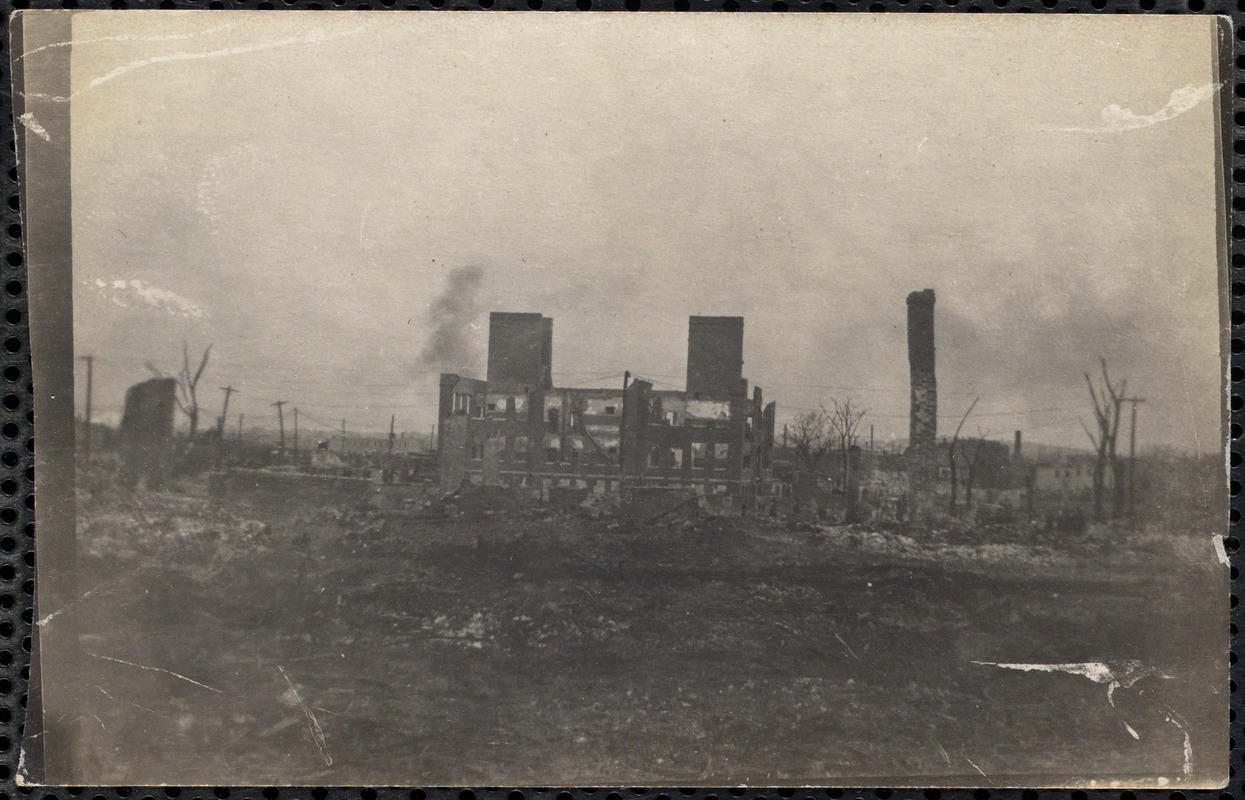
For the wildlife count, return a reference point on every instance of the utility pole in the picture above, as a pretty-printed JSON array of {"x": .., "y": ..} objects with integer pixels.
[
  {"x": 622, "y": 437},
  {"x": 295, "y": 433},
  {"x": 224, "y": 412},
  {"x": 281, "y": 423},
  {"x": 86, "y": 437},
  {"x": 1132, "y": 454},
  {"x": 240, "y": 418},
  {"x": 220, "y": 426},
  {"x": 389, "y": 461},
  {"x": 343, "y": 436}
]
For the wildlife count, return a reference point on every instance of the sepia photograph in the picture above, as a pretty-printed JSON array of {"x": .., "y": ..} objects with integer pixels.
[{"x": 648, "y": 399}]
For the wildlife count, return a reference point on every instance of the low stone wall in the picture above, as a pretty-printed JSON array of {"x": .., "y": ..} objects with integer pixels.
[{"x": 281, "y": 491}]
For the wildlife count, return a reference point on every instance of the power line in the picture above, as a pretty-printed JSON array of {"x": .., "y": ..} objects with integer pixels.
[{"x": 608, "y": 376}]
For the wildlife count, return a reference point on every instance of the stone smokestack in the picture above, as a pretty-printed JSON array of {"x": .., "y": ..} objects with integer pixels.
[
  {"x": 923, "y": 418},
  {"x": 147, "y": 432}
]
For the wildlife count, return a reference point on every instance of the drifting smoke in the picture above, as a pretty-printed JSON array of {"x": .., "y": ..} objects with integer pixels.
[{"x": 451, "y": 314}]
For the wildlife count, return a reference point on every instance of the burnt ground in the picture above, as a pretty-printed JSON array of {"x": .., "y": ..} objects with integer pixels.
[{"x": 256, "y": 646}]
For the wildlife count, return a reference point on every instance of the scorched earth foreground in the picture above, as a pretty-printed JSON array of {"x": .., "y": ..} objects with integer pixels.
[{"x": 499, "y": 643}]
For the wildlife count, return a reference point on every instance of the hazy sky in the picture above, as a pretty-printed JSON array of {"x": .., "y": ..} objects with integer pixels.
[{"x": 300, "y": 189}]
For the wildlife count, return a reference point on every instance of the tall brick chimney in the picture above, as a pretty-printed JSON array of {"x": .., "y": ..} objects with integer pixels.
[
  {"x": 519, "y": 352},
  {"x": 715, "y": 357},
  {"x": 923, "y": 418}
]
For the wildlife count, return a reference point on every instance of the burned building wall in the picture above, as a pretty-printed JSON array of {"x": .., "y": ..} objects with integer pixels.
[
  {"x": 457, "y": 397},
  {"x": 635, "y": 420},
  {"x": 588, "y": 424},
  {"x": 546, "y": 353},
  {"x": 445, "y": 396},
  {"x": 445, "y": 405},
  {"x": 923, "y": 417},
  {"x": 715, "y": 357},
  {"x": 453, "y": 452},
  {"x": 720, "y": 447},
  {"x": 147, "y": 431}
]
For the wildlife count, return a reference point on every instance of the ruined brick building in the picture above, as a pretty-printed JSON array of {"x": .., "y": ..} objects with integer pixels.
[{"x": 515, "y": 428}]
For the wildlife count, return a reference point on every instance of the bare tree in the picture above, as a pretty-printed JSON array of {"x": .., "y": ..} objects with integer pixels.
[
  {"x": 952, "y": 457},
  {"x": 811, "y": 439},
  {"x": 187, "y": 385},
  {"x": 844, "y": 422},
  {"x": 1107, "y": 400}
]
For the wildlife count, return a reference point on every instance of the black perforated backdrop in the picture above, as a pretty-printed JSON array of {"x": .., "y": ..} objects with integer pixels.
[{"x": 17, "y": 503}]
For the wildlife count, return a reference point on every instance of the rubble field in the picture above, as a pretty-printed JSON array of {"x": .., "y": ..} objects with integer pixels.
[{"x": 519, "y": 646}]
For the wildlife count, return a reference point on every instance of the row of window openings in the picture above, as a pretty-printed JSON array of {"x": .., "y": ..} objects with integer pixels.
[
  {"x": 553, "y": 455},
  {"x": 673, "y": 456},
  {"x": 464, "y": 407},
  {"x": 462, "y": 404},
  {"x": 658, "y": 457}
]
